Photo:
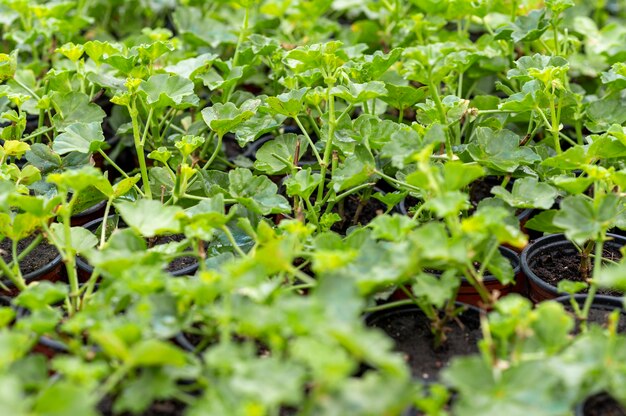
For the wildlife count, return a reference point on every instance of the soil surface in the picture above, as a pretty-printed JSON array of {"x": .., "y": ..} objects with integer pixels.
[
  {"x": 39, "y": 257},
  {"x": 599, "y": 314},
  {"x": 158, "y": 408},
  {"x": 557, "y": 265},
  {"x": 603, "y": 405},
  {"x": 176, "y": 264},
  {"x": 354, "y": 211},
  {"x": 179, "y": 262},
  {"x": 410, "y": 330}
]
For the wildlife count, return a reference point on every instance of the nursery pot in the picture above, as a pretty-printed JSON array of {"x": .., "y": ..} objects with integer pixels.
[
  {"x": 601, "y": 306},
  {"x": 410, "y": 330},
  {"x": 539, "y": 289},
  {"x": 600, "y": 404},
  {"x": 85, "y": 269},
  {"x": 90, "y": 214},
  {"x": 52, "y": 272},
  {"x": 49, "y": 347},
  {"x": 467, "y": 293}
]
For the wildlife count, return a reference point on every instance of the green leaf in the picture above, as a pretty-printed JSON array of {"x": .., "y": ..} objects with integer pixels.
[
  {"x": 392, "y": 228},
  {"x": 358, "y": 93},
  {"x": 79, "y": 137},
  {"x": 64, "y": 398},
  {"x": 356, "y": 170},
  {"x": 151, "y": 352},
  {"x": 41, "y": 295},
  {"x": 612, "y": 277},
  {"x": 501, "y": 150},
  {"x": 583, "y": 220},
  {"x": 573, "y": 158},
  {"x": 527, "y": 193},
  {"x": 571, "y": 287},
  {"x": 303, "y": 183},
  {"x": 188, "y": 144},
  {"x": 164, "y": 90},
  {"x": 288, "y": 104},
  {"x": 457, "y": 175},
  {"x": 605, "y": 112},
  {"x": 402, "y": 146},
  {"x": 150, "y": 217},
  {"x": 162, "y": 154},
  {"x": 402, "y": 97},
  {"x": 525, "y": 28},
  {"x": 257, "y": 126},
  {"x": 81, "y": 238},
  {"x": 448, "y": 203},
  {"x": 74, "y": 107},
  {"x": 42, "y": 157},
  {"x": 283, "y": 146},
  {"x": 437, "y": 290},
  {"x": 544, "y": 221},
  {"x": 257, "y": 193},
  {"x": 188, "y": 68},
  {"x": 80, "y": 179},
  {"x": 223, "y": 118}
]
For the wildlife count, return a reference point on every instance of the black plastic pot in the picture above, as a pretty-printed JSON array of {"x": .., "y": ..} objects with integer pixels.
[
  {"x": 467, "y": 294},
  {"x": 601, "y": 397},
  {"x": 85, "y": 269},
  {"x": 51, "y": 272},
  {"x": 414, "y": 322},
  {"x": 90, "y": 214},
  {"x": 600, "y": 303},
  {"x": 538, "y": 289}
]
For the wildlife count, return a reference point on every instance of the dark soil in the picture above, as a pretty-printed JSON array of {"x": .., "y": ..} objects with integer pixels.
[
  {"x": 354, "y": 211},
  {"x": 158, "y": 408},
  {"x": 231, "y": 147},
  {"x": 552, "y": 267},
  {"x": 598, "y": 314},
  {"x": 179, "y": 262},
  {"x": 39, "y": 257},
  {"x": 410, "y": 330},
  {"x": 603, "y": 405},
  {"x": 481, "y": 189}
]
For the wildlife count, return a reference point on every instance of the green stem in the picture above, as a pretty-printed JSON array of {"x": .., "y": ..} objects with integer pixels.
[
  {"x": 329, "y": 140},
  {"x": 218, "y": 147},
  {"x": 308, "y": 139},
  {"x": 104, "y": 222},
  {"x": 132, "y": 109},
  {"x": 597, "y": 263},
  {"x": 37, "y": 133},
  {"x": 6, "y": 271},
  {"x": 230, "y": 237},
  {"x": 390, "y": 305},
  {"x": 120, "y": 170}
]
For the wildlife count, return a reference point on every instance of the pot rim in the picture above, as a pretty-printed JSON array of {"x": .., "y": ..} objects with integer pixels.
[
  {"x": 92, "y": 209},
  {"x": 555, "y": 239},
  {"x": 87, "y": 268},
  {"x": 371, "y": 317}
]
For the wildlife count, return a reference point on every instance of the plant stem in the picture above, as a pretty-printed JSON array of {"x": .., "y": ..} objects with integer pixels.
[
  {"x": 218, "y": 147},
  {"x": 597, "y": 263},
  {"x": 329, "y": 140},
  {"x": 233, "y": 242},
  {"x": 6, "y": 271},
  {"x": 132, "y": 109},
  {"x": 104, "y": 222},
  {"x": 120, "y": 170},
  {"x": 308, "y": 138}
]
